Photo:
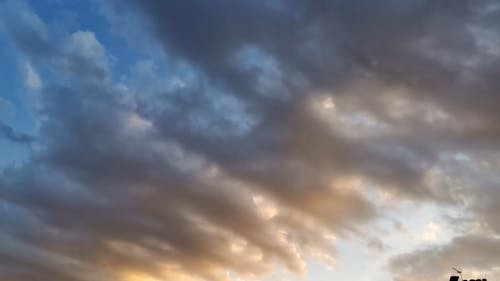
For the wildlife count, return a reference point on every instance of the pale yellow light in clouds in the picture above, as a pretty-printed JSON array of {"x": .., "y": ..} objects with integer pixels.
[{"x": 432, "y": 232}]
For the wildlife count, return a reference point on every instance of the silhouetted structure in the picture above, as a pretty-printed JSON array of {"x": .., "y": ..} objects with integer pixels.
[{"x": 457, "y": 278}]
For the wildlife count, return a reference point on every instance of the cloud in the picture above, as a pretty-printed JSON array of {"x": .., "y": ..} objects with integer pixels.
[
  {"x": 431, "y": 232},
  {"x": 475, "y": 253},
  {"x": 33, "y": 80},
  {"x": 84, "y": 57},
  {"x": 404, "y": 94},
  {"x": 110, "y": 192},
  {"x": 474, "y": 224},
  {"x": 266, "y": 132},
  {"x": 7, "y": 132},
  {"x": 25, "y": 28}
]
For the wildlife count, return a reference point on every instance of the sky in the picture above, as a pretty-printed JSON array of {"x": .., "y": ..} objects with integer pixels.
[{"x": 236, "y": 140}]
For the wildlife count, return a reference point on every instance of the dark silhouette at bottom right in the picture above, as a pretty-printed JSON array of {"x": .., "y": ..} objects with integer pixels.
[{"x": 456, "y": 278}]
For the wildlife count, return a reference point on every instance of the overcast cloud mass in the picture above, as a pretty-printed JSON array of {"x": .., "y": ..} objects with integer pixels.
[{"x": 247, "y": 140}]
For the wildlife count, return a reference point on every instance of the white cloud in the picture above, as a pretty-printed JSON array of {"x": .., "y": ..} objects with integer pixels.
[
  {"x": 33, "y": 80},
  {"x": 136, "y": 124},
  {"x": 85, "y": 44}
]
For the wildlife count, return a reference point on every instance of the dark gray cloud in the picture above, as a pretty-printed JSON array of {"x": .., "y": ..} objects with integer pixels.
[
  {"x": 7, "y": 132},
  {"x": 413, "y": 48},
  {"x": 274, "y": 125}
]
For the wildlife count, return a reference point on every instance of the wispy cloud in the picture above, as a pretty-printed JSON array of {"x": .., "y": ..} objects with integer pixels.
[{"x": 33, "y": 80}]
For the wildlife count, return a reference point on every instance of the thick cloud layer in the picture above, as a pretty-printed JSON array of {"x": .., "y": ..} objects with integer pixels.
[{"x": 278, "y": 126}]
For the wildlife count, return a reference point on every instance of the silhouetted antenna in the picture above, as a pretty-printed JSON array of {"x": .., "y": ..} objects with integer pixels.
[
  {"x": 456, "y": 278},
  {"x": 459, "y": 272}
]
